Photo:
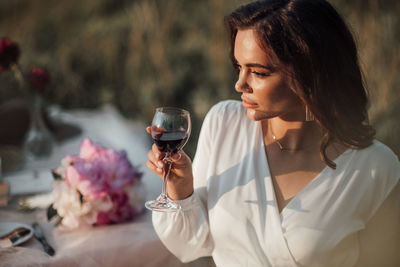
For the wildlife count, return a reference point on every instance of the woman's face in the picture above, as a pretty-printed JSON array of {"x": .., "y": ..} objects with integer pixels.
[{"x": 265, "y": 87}]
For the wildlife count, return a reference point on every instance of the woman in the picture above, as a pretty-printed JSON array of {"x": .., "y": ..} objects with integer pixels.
[{"x": 292, "y": 175}]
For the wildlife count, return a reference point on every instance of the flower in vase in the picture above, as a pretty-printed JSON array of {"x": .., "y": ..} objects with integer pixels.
[
  {"x": 38, "y": 140},
  {"x": 9, "y": 54},
  {"x": 39, "y": 79}
]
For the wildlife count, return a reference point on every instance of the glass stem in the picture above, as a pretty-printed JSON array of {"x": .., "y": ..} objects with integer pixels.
[{"x": 167, "y": 168}]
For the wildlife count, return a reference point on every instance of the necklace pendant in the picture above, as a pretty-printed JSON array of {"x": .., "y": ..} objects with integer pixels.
[
  {"x": 278, "y": 143},
  {"x": 280, "y": 146}
]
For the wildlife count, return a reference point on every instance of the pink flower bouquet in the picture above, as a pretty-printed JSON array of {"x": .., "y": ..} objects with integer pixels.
[{"x": 99, "y": 186}]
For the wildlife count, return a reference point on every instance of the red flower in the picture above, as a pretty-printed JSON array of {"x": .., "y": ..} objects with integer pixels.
[
  {"x": 103, "y": 219},
  {"x": 39, "y": 79},
  {"x": 9, "y": 54}
]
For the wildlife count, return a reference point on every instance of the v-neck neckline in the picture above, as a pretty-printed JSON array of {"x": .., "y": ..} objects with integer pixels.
[{"x": 306, "y": 187}]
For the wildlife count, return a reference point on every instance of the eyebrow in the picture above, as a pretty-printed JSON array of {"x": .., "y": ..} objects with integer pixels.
[{"x": 256, "y": 65}]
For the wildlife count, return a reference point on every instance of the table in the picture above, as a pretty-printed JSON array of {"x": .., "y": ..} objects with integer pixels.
[{"x": 128, "y": 244}]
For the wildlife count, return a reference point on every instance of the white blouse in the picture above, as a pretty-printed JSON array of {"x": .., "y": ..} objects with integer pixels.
[{"x": 349, "y": 216}]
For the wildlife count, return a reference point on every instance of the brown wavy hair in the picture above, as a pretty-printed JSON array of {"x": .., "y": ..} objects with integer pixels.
[{"x": 312, "y": 39}]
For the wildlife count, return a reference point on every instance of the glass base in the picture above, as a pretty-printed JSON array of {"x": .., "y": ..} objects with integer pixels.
[{"x": 162, "y": 204}]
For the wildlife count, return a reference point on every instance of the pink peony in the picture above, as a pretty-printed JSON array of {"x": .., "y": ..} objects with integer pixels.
[
  {"x": 103, "y": 218},
  {"x": 120, "y": 171},
  {"x": 88, "y": 178},
  {"x": 90, "y": 150},
  {"x": 122, "y": 210},
  {"x": 98, "y": 171}
]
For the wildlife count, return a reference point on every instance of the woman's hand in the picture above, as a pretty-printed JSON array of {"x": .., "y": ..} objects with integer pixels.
[{"x": 180, "y": 179}]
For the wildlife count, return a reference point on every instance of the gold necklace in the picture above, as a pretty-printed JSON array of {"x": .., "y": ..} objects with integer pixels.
[
  {"x": 278, "y": 143},
  {"x": 275, "y": 139},
  {"x": 281, "y": 147}
]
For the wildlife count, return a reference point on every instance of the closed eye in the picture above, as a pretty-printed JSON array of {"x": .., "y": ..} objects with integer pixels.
[{"x": 262, "y": 74}]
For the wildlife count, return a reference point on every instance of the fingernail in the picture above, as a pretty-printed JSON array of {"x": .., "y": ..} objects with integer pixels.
[
  {"x": 175, "y": 156},
  {"x": 159, "y": 163}
]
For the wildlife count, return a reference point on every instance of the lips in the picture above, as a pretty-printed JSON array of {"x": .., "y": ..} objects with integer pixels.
[{"x": 247, "y": 103}]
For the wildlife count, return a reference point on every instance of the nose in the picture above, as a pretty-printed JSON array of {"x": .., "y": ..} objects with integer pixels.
[{"x": 241, "y": 84}]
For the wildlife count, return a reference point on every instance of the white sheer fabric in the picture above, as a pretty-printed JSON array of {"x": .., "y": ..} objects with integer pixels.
[{"x": 338, "y": 219}]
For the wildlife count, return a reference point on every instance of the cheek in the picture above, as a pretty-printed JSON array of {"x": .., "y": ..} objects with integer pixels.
[{"x": 273, "y": 93}]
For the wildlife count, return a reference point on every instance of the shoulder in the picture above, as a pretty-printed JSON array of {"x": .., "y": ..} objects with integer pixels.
[
  {"x": 379, "y": 168},
  {"x": 226, "y": 113},
  {"x": 226, "y": 109},
  {"x": 378, "y": 155},
  {"x": 226, "y": 123}
]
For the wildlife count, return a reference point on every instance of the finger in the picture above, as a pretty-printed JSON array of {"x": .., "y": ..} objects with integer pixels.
[
  {"x": 157, "y": 129},
  {"x": 151, "y": 156},
  {"x": 157, "y": 156},
  {"x": 156, "y": 160},
  {"x": 148, "y": 129},
  {"x": 183, "y": 157},
  {"x": 154, "y": 168},
  {"x": 176, "y": 156},
  {"x": 156, "y": 151}
]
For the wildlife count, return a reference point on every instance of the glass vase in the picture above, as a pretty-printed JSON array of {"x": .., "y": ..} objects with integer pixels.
[{"x": 39, "y": 140}]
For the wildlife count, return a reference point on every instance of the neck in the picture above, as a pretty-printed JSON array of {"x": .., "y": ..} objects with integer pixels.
[{"x": 291, "y": 136}]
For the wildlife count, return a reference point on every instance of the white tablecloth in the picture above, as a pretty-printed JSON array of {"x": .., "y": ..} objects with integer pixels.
[{"x": 129, "y": 244}]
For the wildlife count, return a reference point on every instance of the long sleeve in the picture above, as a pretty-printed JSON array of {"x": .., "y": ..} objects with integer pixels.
[{"x": 186, "y": 233}]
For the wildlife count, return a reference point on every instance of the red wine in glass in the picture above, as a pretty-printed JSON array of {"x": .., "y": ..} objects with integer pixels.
[
  {"x": 170, "y": 141},
  {"x": 170, "y": 130}
]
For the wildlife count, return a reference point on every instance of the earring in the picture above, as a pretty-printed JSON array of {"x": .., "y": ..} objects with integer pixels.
[{"x": 309, "y": 115}]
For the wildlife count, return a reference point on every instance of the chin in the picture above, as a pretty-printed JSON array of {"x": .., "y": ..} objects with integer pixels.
[{"x": 255, "y": 115}]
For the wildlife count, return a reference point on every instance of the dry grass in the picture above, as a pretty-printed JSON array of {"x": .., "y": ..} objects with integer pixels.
[
  {"x": 376, "y": 25},
  {"x": 145, "y": 53}
]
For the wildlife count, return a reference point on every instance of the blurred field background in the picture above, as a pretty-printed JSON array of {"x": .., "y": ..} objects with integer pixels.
[{"x": 141, "y": 54}]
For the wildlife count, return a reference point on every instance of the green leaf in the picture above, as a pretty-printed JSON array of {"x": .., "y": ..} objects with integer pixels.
[
  {"x": 56, "y": 175},
  {"x": 80, "y": 196},
  {"x": 58, "y": 220},
  {"x": 24, "y": 206},
  {"x": 51, "y": 212}
]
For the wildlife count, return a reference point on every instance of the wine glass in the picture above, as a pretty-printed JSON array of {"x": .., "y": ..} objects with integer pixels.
[{"x": 170, "y": 130}]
